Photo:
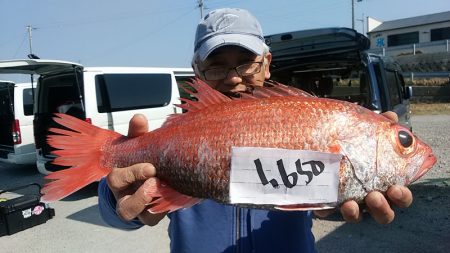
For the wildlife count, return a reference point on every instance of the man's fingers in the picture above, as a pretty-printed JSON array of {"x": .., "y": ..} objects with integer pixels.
[
  {"x": 138, "y": 126},
  {"x": 379, "y": 208},
  {"x": 391, "y": 115},
  {"x": 150, "y": 219},
  {"x": 324, "y": 213},
  {"x": 122, "y": 178},
  {"x": 350, "y": 212},
  {"x": 130, "y": 206},
  {"x": 399, "y": 195}
]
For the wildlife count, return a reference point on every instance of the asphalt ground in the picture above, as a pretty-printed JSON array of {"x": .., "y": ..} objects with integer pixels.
[{"x": 77, "y": 226}]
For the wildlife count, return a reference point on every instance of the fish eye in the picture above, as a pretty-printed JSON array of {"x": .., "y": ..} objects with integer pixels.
[{"x": 405, "y": 138}]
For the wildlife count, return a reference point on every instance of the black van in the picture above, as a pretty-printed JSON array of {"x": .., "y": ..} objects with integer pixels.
[{"x": 332, "y": 62}]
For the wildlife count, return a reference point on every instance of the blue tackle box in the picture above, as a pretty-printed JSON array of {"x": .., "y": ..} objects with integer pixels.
[{"x": 23, "y": 212}]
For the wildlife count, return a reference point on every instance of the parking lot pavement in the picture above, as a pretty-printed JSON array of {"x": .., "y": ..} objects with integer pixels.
[{"x": 77, "y": 226}]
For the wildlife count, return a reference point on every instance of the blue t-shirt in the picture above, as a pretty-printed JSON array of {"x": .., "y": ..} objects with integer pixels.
[{"x": 213, "y": 227}]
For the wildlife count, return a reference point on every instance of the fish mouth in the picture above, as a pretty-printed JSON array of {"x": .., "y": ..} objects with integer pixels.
[{"x": 430, "y": 160}]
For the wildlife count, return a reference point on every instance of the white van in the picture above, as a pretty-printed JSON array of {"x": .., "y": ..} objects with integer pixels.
[
  {"x": 105, "y": 96},
  {"x": 16, "y": 123}
]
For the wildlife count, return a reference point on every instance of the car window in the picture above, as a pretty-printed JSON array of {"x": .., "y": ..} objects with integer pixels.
[
  {"x": 349, "y": 84},
  {"x": 58, "y": 91},
  {"x": 378, "y": 76},
  {"x": 27, "y": 102},
  {"x": 120, "y": 92},
  {"x": 393, "y": 87},
  {"x": 181, "y": 82}
]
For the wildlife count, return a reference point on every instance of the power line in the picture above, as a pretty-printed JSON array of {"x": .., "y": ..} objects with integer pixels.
[
  {"x": 109, "y": 19},
  {"x": 123, "y": 45},
  {"x": 21, "y": 44}
]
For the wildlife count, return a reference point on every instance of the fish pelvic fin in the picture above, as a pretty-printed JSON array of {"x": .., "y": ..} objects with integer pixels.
[
  {"x": 80, "y": 149},
  {"x": 166, "y": 199}
]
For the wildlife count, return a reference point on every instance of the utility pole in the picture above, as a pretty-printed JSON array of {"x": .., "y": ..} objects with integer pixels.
[
  {"x": 29, "y": 28},
  {"x": 353, "y": 14},
  {"x": 200, "y": 6},
  {"x": 362, "y": 22},
  {"x": 30, "y": 42}
]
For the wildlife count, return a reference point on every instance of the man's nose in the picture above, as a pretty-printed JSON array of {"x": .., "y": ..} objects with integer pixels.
[{"x": 232, "y": 78}]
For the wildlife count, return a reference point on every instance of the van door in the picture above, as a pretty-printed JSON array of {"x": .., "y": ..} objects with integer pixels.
[{"x": 6, "y": 118}]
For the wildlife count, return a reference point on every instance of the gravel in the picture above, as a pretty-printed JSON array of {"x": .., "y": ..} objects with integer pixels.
[{"x": 423, "y": 227}]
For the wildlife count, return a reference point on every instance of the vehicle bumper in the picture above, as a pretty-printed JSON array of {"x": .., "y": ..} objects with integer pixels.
[
  {"x": 41, "y": 165},
  {"x": 45, "y": 165},
  {"x": 28, "y": 158}
]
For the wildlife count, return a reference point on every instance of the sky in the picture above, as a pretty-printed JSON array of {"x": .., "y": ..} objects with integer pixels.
[{"x": 152, "y": 33}]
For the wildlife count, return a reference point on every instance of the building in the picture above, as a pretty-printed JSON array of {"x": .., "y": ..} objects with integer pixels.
[{"x": 425, "y": 39}]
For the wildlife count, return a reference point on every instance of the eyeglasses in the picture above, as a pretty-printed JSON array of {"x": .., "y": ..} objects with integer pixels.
[{"x": 243, "y": 70}]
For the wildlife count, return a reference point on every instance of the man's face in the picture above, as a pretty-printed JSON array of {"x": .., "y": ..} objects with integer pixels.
[{"x": 228, "y": 58}]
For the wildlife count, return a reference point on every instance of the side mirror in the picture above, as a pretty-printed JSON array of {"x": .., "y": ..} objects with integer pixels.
[{"x": 408, "y": 92}]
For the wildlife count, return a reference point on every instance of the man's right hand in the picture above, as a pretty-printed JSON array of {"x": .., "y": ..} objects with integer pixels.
[{"x": 129, "y": 184}]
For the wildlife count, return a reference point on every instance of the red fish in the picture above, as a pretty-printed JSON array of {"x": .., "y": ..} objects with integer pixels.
[{"x": 192, "y": 151}]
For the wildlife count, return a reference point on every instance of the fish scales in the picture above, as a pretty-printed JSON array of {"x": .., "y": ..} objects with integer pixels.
[{"x": 198, "y": 152}]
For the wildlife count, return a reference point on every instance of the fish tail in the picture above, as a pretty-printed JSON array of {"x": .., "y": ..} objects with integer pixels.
[
  {"x": 80, "y": 148},
  {"x": 166, "y": 199}
]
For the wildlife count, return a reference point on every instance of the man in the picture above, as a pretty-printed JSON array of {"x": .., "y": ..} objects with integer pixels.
[{"x": 230, "y": 55}]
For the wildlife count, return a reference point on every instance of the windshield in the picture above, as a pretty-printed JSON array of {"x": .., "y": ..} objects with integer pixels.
[{"x": 349, "y": 84}]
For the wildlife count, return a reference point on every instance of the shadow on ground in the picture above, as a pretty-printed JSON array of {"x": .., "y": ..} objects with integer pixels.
[
  {"x": 423, "y": 227},
  {"x": 12, "y": 176},
  {"x": 88, "y": 215}
]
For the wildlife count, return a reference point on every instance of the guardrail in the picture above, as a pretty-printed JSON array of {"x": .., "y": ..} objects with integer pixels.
[
  {"x": 431, "y": 94},
  {"x": 413, "y": 49}
]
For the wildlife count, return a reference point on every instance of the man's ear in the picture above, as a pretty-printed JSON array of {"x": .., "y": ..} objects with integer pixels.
[{"x": 267, "y": 61}]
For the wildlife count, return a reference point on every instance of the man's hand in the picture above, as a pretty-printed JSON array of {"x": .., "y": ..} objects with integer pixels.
[
  {"x": 128, "y": 184},
  {"x": 376, "y": 203}
]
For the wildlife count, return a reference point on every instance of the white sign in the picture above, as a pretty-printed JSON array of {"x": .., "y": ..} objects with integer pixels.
[{"x": 283, "y": 177}]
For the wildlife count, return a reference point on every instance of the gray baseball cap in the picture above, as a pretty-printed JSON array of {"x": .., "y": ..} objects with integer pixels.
[{"x": 226, "y": 27}]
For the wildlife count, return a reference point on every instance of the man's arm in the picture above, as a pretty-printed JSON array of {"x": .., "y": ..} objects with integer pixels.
[{"x": 107, "y": 207}]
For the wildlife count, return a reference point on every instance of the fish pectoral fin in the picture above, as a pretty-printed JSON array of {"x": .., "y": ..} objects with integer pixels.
[{"x": 166, "y": 199}]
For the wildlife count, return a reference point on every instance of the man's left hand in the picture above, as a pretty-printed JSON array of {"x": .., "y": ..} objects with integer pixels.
[{"x": 377, "y": 205}]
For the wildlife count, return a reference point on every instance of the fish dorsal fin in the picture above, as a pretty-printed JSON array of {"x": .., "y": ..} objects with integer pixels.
[
  {"x": 275, "y": 89},
  {"x": 206, "y": 96}
]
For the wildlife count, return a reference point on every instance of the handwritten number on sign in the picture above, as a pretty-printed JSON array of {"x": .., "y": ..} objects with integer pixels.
[
  {"x": 285, "y": 177},
  {"x": 262, "y": 175},
  {"x": 317, "y": 167},
  {"x": 300, "y": 171}
]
